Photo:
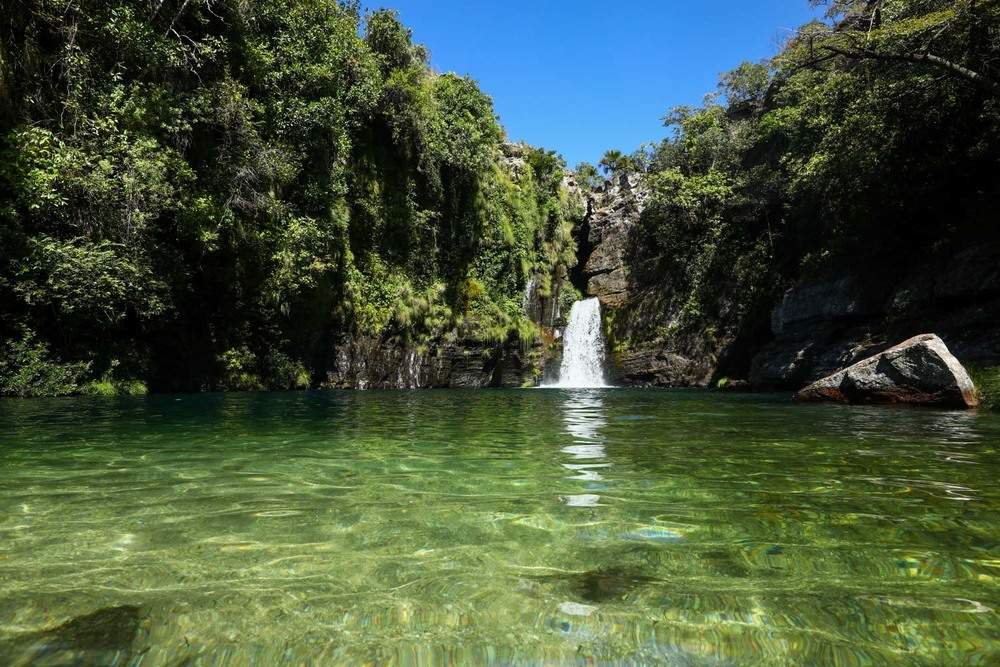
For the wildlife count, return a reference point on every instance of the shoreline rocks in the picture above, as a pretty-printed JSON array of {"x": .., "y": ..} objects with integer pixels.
[
  {"x": 375, "y": 363},
  {"x": 918, "y": 371}
]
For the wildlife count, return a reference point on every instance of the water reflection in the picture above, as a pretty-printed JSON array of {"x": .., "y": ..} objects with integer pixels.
[
  {"x": 584, "y": 420},
  {"x": 953, "y": 438}
]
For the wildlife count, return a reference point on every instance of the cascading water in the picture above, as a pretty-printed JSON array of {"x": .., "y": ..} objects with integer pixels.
[
  {"x": 527, "y": 300},
  {"x": 583, "y": 347}
]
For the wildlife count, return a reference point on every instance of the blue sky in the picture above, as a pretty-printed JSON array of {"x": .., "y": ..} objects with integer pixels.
[{"x": 583, "y": 76}]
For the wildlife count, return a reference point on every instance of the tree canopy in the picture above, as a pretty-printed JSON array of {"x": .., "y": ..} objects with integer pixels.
[{"x": 871, "y": 140}]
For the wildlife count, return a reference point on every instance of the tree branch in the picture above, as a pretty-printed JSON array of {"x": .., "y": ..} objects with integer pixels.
[
  {"x": 177, "y": 16},
  {"x": 952, "y": 68},
  {"x": 156, "y": 10}
]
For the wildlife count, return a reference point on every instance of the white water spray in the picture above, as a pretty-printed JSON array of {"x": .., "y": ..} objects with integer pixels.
[{"x": 583, "y": 347}]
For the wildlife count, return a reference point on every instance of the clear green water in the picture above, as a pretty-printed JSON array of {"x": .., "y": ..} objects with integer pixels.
[{"x": 496, "y": 527}]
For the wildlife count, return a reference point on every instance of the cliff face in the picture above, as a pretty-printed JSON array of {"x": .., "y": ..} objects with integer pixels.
[
  {"x": 817, "y": 326},
  {"x": 459, "y": 358},
  {"x": 370, "y": 363},
  {"x": 608, "y": 232},
  {"x": 821, "y": 326},
  {"x": 639, "y": 314}
]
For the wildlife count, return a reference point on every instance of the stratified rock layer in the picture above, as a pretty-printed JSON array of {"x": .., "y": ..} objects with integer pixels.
[
  {"x": 374, "y": 363},
  {"x": 614, "y": 211},
  {"x": 821, "y": 326},
  {"x": 920, "y": 370}
]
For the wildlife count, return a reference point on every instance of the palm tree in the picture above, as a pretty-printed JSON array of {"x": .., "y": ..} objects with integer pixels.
[{"x": 613, "y": 162}]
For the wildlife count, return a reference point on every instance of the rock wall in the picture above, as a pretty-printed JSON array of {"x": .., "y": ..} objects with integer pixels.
[
  {"x": 612, "y": 214},
  {"x": 822, "y": 326},
  {"x": 633, "y": 311},
  {"x": 373, "y": 363},
  {"x": 817, "y": 326}
]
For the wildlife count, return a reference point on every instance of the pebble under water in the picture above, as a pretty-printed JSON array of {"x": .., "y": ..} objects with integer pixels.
[{"x": 534, "y": 527}]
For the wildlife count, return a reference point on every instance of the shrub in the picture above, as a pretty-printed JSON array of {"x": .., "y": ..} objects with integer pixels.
[
  {"x": 27, "y": 369},
  {"x": 239, "y": 370}
]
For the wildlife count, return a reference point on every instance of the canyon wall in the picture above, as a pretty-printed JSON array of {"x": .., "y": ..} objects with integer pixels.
[{"x": 815, "y": 326}]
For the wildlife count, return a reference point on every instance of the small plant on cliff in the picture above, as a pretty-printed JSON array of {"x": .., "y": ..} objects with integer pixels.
[{"x": 987, "y": 381}]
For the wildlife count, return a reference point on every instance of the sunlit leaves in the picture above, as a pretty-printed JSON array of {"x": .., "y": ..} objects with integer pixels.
[{"x": 88, "y": 284}]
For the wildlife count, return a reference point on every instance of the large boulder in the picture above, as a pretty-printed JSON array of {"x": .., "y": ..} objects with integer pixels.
[{"x": 920, "y": 370}]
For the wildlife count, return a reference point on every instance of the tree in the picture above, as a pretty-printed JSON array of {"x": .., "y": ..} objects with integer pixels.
[
  {"x": 615, "y": 163},
  {"x": 205, "y": 193},
  {"x": 907, "y": 32},
  {"x": 587, "y": 176},
  {"x": 747, "y": 83}
]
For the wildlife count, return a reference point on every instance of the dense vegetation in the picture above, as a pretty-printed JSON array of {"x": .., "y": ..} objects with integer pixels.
[
  {"x": 210, "y": 193},
  {"x": 216, "y": 193},
  {"x": 871, "y": 141}
]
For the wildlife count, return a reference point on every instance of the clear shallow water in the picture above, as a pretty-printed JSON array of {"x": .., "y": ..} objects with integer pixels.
[{"x": 504, "y": 527}]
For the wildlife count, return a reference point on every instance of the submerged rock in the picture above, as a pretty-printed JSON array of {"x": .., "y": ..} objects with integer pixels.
[
  {"x": 920, "y": 370},
  {"x": 603, "y": 585},
  {"x": 576, "y": 609},
  {"x": 103, "y": 637},
  {"x": 658, "y": 535}
]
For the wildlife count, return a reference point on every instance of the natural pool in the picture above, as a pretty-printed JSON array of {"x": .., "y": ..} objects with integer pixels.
[{"x": 497, "y": 527}]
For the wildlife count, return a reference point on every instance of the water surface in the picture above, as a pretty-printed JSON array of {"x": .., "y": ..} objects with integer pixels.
[{"x": 497, "y": 527}]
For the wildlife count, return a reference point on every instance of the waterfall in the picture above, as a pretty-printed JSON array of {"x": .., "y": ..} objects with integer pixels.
[
  {"x": 583, "y": 347},
  {"x": 528, "y": 300}
]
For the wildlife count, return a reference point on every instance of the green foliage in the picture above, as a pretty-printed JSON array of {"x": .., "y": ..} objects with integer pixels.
[
  {"x": 843, "y": 150},
  {"x": 588, "y": 176},
  {"x": 93, "y": 283},
  {"x": 987, "y": 381},
  {"x": 111, "y": 385},
  {"x": 131, "y": 388},
  {"x": 747, "y": 83},
  {"x": 240, "y": 370},
  {"x": 27, "y": 368},
  {"x": 423, "y": 313},
  {"x": 216, "y": 191},
  {"x": 615, "y": 163},
  {"x": 392, "y": 42},
  {"x": 286, "y": 373},
  {"x": 567, "y": 297},
  {"x": 103, "y": 387}
]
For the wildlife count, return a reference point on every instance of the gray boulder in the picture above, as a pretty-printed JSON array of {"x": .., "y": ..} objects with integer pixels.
[{"x": 920, "y": 370}]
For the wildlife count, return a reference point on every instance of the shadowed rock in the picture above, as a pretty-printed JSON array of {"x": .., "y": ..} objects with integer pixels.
[
  {"x": 103, "y": 637},
  {"x": 920, "y": 370},
  {"x": 610, "y": 583}
]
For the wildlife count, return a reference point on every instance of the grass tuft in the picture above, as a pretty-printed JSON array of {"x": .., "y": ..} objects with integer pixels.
[{"x": 987, "y": 381}]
